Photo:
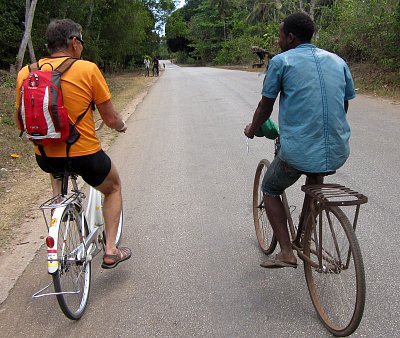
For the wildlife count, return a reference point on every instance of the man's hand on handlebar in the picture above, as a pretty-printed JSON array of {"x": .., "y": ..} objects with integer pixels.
[
  {"x": 248, "y": 132},
  {"x": 123, "y": 128}
]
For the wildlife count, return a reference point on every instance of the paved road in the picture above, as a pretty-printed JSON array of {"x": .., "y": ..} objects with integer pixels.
[{"x": 187, "y": 190}]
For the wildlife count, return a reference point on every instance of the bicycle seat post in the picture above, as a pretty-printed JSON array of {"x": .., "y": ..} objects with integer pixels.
[
  {"x": 311, "y": 179},
  {"x": 64, "y": 184}
]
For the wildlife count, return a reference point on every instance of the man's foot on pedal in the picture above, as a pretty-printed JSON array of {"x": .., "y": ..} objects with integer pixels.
[
  {"x": 111, "y": 261},
  {"x": 279, "y": 261}
]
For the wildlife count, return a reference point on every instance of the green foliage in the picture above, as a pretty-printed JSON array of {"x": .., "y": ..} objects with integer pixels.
[
  {"x": 176, "y": 26},
  {"x": 237, "y": 51},
  {"x": 13, "y": 14},
  {"x": 363, "y": 31},
  {"x": 116, "y": 32},
  {"x": 222, "y": 31},
  {"x": 207, "y": 33}
]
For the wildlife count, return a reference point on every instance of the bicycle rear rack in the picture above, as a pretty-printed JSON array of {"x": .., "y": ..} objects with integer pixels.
[
  {"x": 61, "y": 201},
  {"x": 332, "y": 194}
]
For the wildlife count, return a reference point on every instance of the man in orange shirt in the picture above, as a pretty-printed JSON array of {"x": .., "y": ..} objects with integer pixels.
[{"x": 82, "y": 84}]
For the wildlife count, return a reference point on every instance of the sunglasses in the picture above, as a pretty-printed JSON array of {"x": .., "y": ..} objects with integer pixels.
[{"x": 78, "y": 38}]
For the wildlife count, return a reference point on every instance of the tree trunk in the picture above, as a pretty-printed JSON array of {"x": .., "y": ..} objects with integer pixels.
[
  {"x": 30, "y": 46},
  {"x": 89, "y": 20},
  {"x": 31, "y": 51},
  {"x": 27, "y": 34},
  {"x": 224, "y": 29},
  {"x": 311, "y": 7}
]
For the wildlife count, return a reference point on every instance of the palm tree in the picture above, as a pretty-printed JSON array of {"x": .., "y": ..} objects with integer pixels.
[{"x": 222, "y": 7}]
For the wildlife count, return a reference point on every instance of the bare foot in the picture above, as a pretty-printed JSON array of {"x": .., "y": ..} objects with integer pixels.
[{"x": 286, "y": 257}]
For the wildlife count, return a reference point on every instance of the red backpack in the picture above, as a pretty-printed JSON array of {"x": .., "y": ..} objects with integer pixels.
[{"x": 41, "y": 112}]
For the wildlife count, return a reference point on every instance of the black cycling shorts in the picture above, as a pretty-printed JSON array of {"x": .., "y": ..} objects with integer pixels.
[{"x": 92, "y": 168}]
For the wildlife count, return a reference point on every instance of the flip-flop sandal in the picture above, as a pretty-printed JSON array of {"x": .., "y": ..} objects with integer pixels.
[
  {"x": 122, "y": 255},
  {"x": 273, "y": 263}
]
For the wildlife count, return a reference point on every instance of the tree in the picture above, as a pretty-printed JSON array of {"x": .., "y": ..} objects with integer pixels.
[
  {"x": 206, "y": 33},
  {"x": 311, "y": 7},
  {"x": 177, "y": 33},
  {"x": 30, "y": 10},
  {"x": 11, "y": 31},
  {"x": 30, "y": 45},
  {"x": 222, "y": 7}
]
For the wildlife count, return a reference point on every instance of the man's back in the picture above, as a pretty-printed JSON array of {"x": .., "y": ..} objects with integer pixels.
[
  {"x": 313, "y": 86},
  {"x": 81, "y": 84}
]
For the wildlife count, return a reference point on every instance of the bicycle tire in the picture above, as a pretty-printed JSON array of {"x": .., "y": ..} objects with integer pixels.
[
  {"x": 336, "y": 279},
  {"x": 72, "y": 279},
  {"x": 265, "y": 235}
]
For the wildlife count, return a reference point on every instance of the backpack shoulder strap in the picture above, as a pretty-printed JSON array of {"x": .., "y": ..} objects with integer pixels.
[
  {"x": 65, "y": 65},
  {"x": 33, "y": 66}
]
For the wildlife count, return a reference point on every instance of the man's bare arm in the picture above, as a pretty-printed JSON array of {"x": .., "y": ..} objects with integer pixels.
[
  {"x": 262, "y": 113},
  {"x": 111, "y": 117}
]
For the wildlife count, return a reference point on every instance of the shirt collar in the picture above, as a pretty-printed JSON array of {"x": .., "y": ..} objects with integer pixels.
[{"x": 306, "y": 45}]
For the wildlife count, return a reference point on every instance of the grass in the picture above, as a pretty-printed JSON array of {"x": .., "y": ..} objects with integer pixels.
[{"x": 376, "y": 81}]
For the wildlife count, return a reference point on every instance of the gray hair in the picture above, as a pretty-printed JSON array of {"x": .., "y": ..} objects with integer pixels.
[{"x": 59, "y": 33}]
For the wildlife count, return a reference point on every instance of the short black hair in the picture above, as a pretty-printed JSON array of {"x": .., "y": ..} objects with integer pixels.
[
  {"x": 300, "y": 25},
  {"x": 59, "y": 32}
]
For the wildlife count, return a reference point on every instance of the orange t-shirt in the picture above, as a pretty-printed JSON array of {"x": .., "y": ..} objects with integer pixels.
[{"x": 80, "y": 85}]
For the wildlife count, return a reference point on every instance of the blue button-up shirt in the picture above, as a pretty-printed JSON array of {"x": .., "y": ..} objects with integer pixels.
[{"x": 313, "y": 85}]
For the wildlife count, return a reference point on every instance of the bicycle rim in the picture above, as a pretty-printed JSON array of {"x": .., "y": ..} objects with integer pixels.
[
  {"x": 72, "y": 279},
  {"x": 336, "y": 279},
  {"x": 265, "y": 235}
]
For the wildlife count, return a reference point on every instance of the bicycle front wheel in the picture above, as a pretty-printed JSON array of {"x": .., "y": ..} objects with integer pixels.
[
  {"x": 335, "y": 273},
  {"x": 72, "y": 279},
  {"x": 265, "y": 235}
]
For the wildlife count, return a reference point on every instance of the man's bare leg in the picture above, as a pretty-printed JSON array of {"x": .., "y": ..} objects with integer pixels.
[
  {"x": 111, "y": 188},
  {"x": 55, "y": 186},
  {"x": 277, "y": 217}
]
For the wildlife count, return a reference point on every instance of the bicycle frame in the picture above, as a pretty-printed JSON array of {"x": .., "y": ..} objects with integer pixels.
[
  {"x": 93, "y": 217},
  {"x": 310, "y": 206},
  {"x": 95, "y": 220},
  {"x": 306, "y": 209}
]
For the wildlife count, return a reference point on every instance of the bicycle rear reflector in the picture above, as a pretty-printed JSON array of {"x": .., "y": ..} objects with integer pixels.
[{"x": 49, "y": 241}]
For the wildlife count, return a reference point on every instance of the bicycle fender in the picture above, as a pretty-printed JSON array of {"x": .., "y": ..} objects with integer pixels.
[
  {"x": 52, "y": 257},
  {"x": 94, "y": 214}
]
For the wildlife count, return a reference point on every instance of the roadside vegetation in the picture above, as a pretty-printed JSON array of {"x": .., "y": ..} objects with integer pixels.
[{"x": 223, "y": 31}]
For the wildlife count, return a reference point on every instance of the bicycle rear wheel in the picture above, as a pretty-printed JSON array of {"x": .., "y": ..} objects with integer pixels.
[
  {"x": 265, "y": 235},
  {"x": 335, "y": 278},
  {"x": 72, "y": 279}
]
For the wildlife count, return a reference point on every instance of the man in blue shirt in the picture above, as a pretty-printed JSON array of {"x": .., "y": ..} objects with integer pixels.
[{"x": 314, "y": 87}]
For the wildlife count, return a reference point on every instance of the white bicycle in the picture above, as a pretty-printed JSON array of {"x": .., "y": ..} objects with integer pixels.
[{"x": 75, "y": 237}]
